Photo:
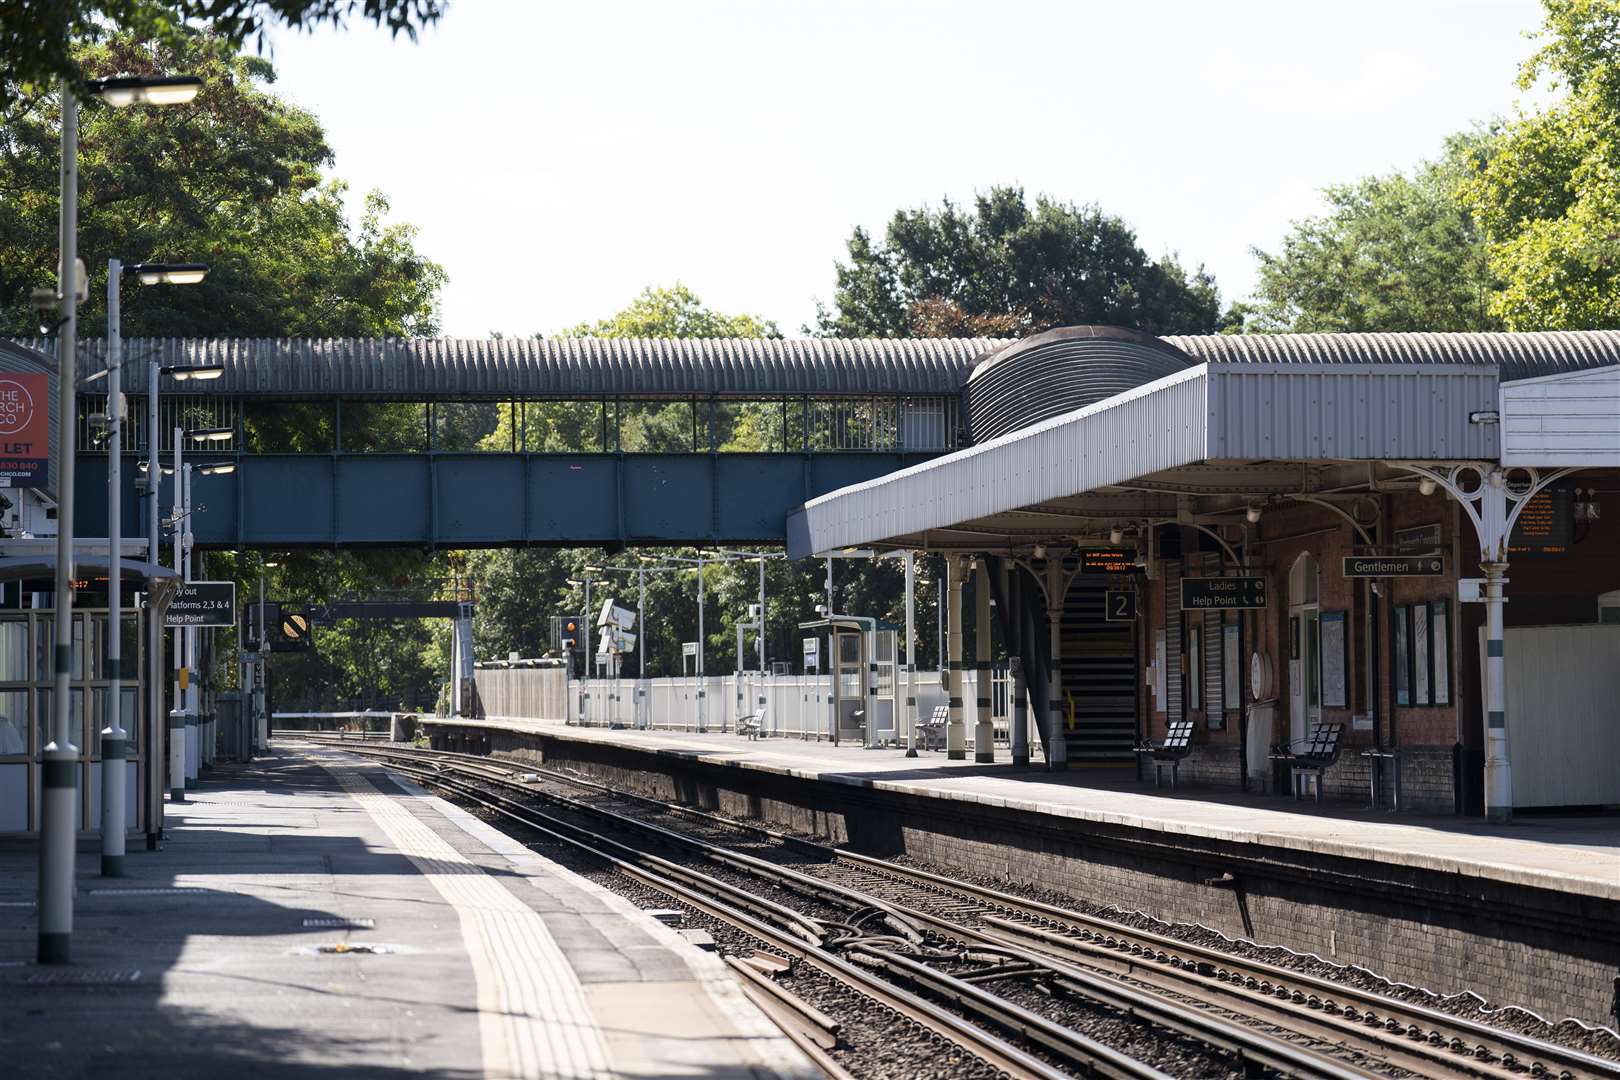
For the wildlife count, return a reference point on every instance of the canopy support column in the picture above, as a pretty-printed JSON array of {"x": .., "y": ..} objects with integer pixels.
[
  {"x": 984, "y": 732},
  {"x": 955, "y": 735}
]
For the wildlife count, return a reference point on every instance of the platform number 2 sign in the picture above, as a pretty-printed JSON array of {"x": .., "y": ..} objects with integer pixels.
[{"x": 1119, "y": 605}]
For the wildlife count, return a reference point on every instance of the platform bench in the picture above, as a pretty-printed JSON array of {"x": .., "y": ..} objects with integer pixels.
[
  {"x": 1311, "y": 755},
  {"x": 932, "y": 729},
  {"x": 751, "y": 724},
  {"x": 1177, "y": 744}
]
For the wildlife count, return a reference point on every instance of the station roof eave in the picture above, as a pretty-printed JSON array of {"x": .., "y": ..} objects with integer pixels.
[{"x": 1218, "y": 432}]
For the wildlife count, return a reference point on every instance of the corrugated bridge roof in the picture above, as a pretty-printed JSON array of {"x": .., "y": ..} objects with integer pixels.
[
  {"x": 559, "y": 367},
  {"x": 463, "y": 368}
]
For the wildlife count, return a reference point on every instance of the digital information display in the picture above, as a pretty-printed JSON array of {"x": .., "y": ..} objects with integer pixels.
[{"x": 1546, "y": 525}]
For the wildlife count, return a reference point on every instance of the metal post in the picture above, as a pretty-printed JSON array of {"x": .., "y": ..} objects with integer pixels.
[
  {"x": 177, "y": 714},
  {"x": 762, "y": 664},
  {"x": 113, "y": 753},
  {"x": 955, "y": 735},
  {"x": 1498, "y": 771},
  {"x": 193, "y": 731},
  {"x": 830, "y": 606},
  {"x": 702, "y": 696},
  {"x": 60, "y": 772},
  {"x": 911, "y": 653},
  {"x": 261, "y": 676},
  {"x": 154, "y": 472},
  {"x": 641, "y": 647},
  {"x": 1056, "y": 738},
  {"x": 984, "y": 732}
]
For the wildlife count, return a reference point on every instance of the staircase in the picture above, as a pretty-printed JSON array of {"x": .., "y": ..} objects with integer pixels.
[{"x": 1100, "y": 677}]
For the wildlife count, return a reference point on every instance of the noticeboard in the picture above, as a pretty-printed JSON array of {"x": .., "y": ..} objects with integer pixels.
[
  {"x": 1107, "y": 561},
  {"x": 1222, "y": 593},
  {"x": 1545, "y": 526},
  {"x": 25, "y": 430},
  {"x": 202, "y": 603}
]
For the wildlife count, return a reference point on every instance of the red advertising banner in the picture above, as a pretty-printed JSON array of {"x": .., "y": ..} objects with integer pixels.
[{"x": 25, "y": 430}]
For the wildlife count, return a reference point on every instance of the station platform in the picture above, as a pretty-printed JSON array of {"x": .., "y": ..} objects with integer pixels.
[
  {"x": 1571, "y": 855},
  {"x": 311, "y": 915}
]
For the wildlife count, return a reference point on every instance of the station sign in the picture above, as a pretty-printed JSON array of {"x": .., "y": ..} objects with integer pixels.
[
  {"x": 202, "y": 603},
  {"x": 1119, "y": 605},
  {"x": 1107, "y": 561},
  {"x": 25, "y": 430},
  {"x": 1222, "y": 593},
  {"x": 1372, "y": 566}
]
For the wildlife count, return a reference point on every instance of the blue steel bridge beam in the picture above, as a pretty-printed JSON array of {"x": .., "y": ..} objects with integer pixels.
[{"x": 454, "y": 500}]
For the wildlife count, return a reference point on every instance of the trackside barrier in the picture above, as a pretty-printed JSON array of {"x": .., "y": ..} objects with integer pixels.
[{"x": 794, "y": 706}]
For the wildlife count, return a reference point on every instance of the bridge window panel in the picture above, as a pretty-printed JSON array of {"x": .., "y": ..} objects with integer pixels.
[
  {"x": 756, "y": 427},
  {"x": 289, "y": 427},
  {"x": 853, "y": 424},
  {"x": 187, "y": 412},
  {"x": 660, "y": 427},
  {"x": 927, "y": 423},
  {"x": 561, "y": 427},
  {"x": 385, "y": 427},
  {"x": 462, "y": 426}
]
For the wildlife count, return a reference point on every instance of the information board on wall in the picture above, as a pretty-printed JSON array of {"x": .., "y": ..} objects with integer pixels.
[{"x": 1546, "y": 525}]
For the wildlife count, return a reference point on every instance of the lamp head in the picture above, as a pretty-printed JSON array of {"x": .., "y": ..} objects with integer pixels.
[{"x": 126, "y": 90}]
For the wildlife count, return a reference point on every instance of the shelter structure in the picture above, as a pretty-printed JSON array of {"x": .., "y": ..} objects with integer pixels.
[{"x": 1273, "y": 535}]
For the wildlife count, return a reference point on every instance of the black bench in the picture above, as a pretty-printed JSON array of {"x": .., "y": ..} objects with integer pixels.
[
  {"x": 1312, "y": 754},
  {"x": 1177, "y": 744},
  {"x": 932, "y": 729}
]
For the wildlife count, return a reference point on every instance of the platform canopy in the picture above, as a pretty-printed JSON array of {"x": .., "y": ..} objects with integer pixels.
[{"x": 1217, "y": 438}]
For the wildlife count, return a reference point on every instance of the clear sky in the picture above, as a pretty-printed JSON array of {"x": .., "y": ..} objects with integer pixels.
[{"x": 558, "y": 157}]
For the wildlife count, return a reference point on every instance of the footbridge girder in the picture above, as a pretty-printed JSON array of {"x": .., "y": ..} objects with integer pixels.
[{"x": 489, "y": 499}]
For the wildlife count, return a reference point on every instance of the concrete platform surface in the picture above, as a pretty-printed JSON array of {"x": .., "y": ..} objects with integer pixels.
[
  {"x": 1578, "y": 855},
  {"x": 308, "y": 916}
]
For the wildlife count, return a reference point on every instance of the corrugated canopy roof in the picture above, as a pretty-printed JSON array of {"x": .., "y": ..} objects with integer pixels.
[
  {"x": 1519, "y": 356},
  {"x": 556, "y": 367}
]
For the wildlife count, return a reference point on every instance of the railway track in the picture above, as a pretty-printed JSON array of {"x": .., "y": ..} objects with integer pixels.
[{"x": 1011, "y": 949}]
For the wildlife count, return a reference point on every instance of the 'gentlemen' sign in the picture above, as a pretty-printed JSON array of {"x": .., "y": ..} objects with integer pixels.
[
  {"x": 25, "y": 430},
  {"x": 1360, "y": 566},
  {"x": 1222, "y": 593}
]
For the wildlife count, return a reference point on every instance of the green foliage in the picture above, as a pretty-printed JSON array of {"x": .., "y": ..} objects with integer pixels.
[
  {"x": 38, "y": 37},
  {"x": 233, "y": 179},
  {"x": 1008, "y": 269},
  {"x": 1547, "y": 195},
  {"x": 675, "y": 312},
  {"x": 1393, "y": 253}
]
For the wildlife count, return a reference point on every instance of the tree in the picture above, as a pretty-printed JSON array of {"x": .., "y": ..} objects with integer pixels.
[
  {"x": 1393, "y": 253},
  {"x": 235, "y": 179},
  {"x": 1547, "y": 195},
  {"x": 675, "y": 312},
  {"x": 1008, "y": 269},
  {"x": 38, "y": 37}
]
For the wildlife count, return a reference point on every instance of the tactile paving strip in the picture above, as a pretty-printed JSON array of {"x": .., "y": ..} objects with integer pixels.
[{"x": 533, "y": 1018}]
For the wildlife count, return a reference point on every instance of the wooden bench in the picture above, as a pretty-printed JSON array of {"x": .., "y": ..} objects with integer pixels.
[
  {"x": 751, "y": 725},
  {"x": 1177, "y": 744},
  {"x": 1312, "y": 754},
  {"x": 932, "y": 729}
]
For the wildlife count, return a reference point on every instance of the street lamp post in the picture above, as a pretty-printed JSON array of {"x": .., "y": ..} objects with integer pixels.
[
  {"x": 60, "y": 756},
  {"x": 114, "y": 739}
]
